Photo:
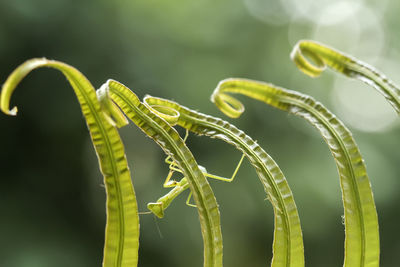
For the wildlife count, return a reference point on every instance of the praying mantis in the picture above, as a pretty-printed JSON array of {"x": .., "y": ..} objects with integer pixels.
[{"x": 158, "y": 207}]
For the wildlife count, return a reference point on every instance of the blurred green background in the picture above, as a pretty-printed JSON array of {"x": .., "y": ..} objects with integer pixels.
[{"x": 52, "y": 202}]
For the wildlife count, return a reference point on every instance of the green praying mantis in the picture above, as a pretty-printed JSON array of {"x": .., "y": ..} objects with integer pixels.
[{"x": 158, "y": 207}]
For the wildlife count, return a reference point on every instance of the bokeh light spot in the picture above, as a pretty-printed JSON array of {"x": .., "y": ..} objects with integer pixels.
[{"x": 362, "y": 107}]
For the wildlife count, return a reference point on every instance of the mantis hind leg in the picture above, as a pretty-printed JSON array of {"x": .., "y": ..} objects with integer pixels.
[
  {"x": 217, "y": 178},
  {"x": 212, "y": 176}
]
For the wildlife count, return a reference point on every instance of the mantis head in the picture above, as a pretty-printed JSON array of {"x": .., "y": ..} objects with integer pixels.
[{"x": 156, "y": 208}]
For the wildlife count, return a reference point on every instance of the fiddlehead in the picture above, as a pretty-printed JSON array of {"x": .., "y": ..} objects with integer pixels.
[
  {"x": 288, "y": 242},
  {"x": 361, "y": 222},
  {"x": 122, "y": 228},
  {"x": 169, "y": 140},
  {"x": 323, "y": 56}
]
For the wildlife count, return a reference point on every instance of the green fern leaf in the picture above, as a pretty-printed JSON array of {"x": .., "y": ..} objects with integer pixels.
[
  {"x": 122, "y": 228},
  {"x": 361, "y": 222}
]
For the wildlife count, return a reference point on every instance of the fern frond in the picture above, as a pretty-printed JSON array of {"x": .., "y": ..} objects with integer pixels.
[
  {"x": 122, "y": 228},
  {"x": 361, "y": 222}
]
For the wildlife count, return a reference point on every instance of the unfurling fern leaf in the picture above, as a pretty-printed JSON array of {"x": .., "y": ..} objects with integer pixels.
[
  {"x": 322, "y": 56},
  {"x": 361, "y": 222},
  {"x": 122, "y": 228}
]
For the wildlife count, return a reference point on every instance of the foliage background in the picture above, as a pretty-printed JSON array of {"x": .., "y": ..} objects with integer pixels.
[{"x": 52, "y": 202}]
